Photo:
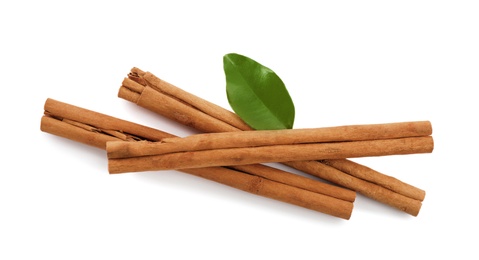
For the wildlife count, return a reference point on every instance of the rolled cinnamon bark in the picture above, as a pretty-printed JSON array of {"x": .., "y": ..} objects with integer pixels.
[
  {"x": 264, "y": 154},
  {"x": 370, "y": 175},
  {"x": 242, "y": 139},
  {"x": 95, "y": 122},
  {"x": 154, "y": 100},
  {"x": 200, "y": 104},
  {"x": 96, "y": 129},
  {"x": 152, "y": 93},
  {"x": 369, "y": 189}
]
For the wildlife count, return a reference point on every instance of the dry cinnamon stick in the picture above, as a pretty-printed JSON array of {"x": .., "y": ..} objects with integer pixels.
[
  {"x": 261, "y": 154},
  {"x": 97, "y": 129},
  {"x": 369, "y": 189},
  {"x": 241, "y": 139},
  {"x": 370, "y": 175},
  {"x": 152, "y": 93}
]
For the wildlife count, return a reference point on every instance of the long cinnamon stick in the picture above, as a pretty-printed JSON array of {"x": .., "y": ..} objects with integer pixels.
[
  {"x": 241, "y": 139},
  {"x": 97, "y": 129},
  {"x": 152, "y": 93},
  {"x": 271, "y": 153}
]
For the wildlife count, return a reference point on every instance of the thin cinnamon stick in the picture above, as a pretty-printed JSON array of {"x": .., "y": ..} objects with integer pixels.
[
  {"x": 154, "y": 100},
  {"x": 152, "y": 93},
  {"x": 369, "y": 189},
  {"x": 97, "y": 129},
  {"x": 224, "y": 140},
  {"x": 205, "y": 106},
  {"x": 366, "y": 173},
  {"x": 271, "y": 153}
]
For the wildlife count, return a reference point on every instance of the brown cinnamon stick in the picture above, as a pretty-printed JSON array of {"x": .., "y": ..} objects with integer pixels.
[
  {"x": 154, "y": 100},
  {"x": 369, "y": 189},
  {"x": 262, "y": 154},
  {"x": 241, "y": 139},
  {"x": 152, "y": 93},
  {"x": 370, "y": 175},
  {"x": 69, "y": 121},
  {"x": 208, "y": 108},
  {"x": 97, "y": 129}
]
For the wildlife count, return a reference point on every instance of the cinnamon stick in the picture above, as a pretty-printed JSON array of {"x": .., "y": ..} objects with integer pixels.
[
  {"x": 369, "y": 189},
  {"x": 96, "y": 129},
  {"x": 262, "y": 154},
  {"x": 370, "y": 175},
  {"x": 152, "y": 93},
  {"x": 212, "y": 110},
  {"x": 241, "y": 139}
]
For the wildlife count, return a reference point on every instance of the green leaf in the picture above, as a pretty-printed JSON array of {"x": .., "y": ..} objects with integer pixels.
[{"x": 257, "y": 94}]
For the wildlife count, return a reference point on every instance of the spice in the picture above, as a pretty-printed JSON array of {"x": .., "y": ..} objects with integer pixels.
[
  {"x": 96, "y": 129},
  {"x": 174, "y": 156},
  {"x": 150, "y": 92}
]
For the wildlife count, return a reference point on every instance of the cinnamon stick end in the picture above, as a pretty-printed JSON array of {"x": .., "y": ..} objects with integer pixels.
[
  {"x": 113, "y": 167},
  {"x": 129, "y": 95},
  {"x": 413, "y": 209},
  {"x": 421, "y": 195}
]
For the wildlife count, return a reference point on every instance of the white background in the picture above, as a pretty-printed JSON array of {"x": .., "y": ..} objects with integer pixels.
[{"x": 343, "y": 62}]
